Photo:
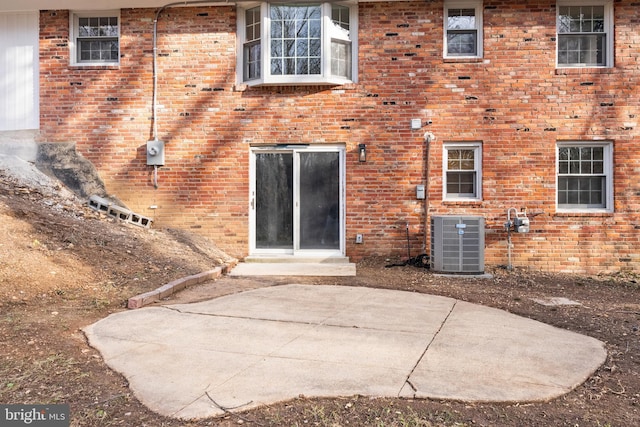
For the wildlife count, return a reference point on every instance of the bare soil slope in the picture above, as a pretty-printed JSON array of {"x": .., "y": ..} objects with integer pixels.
[{"x": 63, "y": 266}]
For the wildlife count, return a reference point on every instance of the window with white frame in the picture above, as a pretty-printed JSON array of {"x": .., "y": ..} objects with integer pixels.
[
  {"x": 462, "y": 171},
  {"x": 305, "y": 43},
  {"x": 463, "y": 29},
  {"x": 585, "y": 177},
  {"x": 95, "y": 37},
  {"x": 585, "y": 33}
]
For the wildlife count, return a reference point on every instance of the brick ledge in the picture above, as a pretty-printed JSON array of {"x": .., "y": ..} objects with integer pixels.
[{"x": 170, "y": 288}]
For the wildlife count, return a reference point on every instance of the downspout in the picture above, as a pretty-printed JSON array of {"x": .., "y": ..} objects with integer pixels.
[{"x": 428, "y": 138}]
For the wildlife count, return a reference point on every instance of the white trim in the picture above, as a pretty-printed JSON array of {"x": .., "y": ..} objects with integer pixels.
[
  {"x": 36, "y": 5},
  {"x": 464, "y": 4},
  {"x": 608, "y": 173},
  {"x": 477, "y": 162},
  {"x": 73, "y": 29}
]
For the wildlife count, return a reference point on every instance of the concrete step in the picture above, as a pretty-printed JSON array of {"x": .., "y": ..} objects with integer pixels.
[
  {"x": 293, "y": 269},
  {"x": 281, "y": 259}
]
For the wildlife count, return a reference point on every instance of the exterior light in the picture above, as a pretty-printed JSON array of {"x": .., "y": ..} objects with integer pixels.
[{"x": 362, "y": 152}]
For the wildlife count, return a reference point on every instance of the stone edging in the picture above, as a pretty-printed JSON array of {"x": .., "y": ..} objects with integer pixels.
[{"x": 170, "y": 288}]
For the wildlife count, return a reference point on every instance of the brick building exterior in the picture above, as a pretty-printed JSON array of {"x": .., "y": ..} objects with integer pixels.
[{"x": 515, "y": 101}]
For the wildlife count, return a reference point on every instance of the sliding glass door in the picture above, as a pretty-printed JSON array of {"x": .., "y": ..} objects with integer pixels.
[{"x": 297, "y": 200}]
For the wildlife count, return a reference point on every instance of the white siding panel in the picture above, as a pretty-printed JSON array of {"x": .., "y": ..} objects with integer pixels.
[{"x": 19, "y": 105}]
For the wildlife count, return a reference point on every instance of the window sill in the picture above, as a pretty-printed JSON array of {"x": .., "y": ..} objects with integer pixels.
[
  {"x": 462, "y": 59},
  {"x": 461, "y": 202},
  {"x": 299, "y": 81},
  {"x": 243, "y": 87},
  {"x": 94, "y": 66},
  {"x": 593, "y": 213},
  {"x": 584, "y": 70}
]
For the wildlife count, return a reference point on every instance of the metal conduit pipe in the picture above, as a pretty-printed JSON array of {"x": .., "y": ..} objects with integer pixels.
[
  {"x": 154, "y": 102},
  {"x": 428, "y": 139},
  {"x": 154, "y": 113},
  {"x": 154, "y": 106}
]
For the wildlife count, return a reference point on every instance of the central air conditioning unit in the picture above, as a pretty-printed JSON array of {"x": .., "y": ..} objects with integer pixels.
[{"x": 457, "y": 244}]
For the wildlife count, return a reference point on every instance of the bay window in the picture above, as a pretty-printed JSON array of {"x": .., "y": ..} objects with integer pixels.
[{"x": 292, "y": 44}]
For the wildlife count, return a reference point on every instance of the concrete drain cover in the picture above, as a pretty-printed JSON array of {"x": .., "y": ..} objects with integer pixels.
[{"x": 556, "y": 301}]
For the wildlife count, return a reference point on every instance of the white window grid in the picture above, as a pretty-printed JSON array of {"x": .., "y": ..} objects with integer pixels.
[
  {"x": 463, "y": 29},
  {"x": 471, "y": 153},
  {"x": 94, "y": 37},
  {"x": 295, "y": 39},
  {"x": 252, "y": 48},
  {"x": 584, "y": 34},
  {"x": 583, "y": 168},
  {"x": 295, "y": 60}
]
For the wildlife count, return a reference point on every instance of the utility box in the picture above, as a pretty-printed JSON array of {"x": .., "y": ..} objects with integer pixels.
[
  {"x": 457, "y": 244},
  {"x": 155, "y": 153},
  {"x": 521, "y": 223}
]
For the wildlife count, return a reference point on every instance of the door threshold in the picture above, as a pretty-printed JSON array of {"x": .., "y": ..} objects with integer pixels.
[
  {"x": 291, "y": 259},
  {"x": 273, "y": 266}
]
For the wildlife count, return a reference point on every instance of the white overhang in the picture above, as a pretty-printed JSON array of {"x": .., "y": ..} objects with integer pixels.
[{"x": 31, "y": 5}]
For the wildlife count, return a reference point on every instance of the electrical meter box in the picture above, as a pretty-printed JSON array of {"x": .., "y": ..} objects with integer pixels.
[{"x": 155, "y": 153}]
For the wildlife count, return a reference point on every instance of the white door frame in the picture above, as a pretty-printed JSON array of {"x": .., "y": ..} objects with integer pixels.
[{"x": 295, "y": 251}]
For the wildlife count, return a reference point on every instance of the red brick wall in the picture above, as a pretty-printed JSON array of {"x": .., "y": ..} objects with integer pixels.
[{"x": 514, "y": 101}]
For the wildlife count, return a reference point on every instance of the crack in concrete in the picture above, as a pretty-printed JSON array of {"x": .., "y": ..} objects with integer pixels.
[
  {"x": 229, "y": 316},
  {"x": 299, "y": 322},
  {"x": 424, "y": 353}
]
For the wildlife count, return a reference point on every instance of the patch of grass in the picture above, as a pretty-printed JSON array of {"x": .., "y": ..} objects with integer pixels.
[
  {"x": 100, "y": 303},
  {"x": 371, "y": 413},
  {"x": 317, "y": 415},
  {"x": 34, "y": 380}
]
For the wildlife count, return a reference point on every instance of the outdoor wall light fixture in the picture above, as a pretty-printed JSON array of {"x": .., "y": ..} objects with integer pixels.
[{"x": 362, "y": 152}]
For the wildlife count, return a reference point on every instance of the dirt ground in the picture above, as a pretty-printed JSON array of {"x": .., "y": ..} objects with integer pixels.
[{"x": 64, "y": 266}]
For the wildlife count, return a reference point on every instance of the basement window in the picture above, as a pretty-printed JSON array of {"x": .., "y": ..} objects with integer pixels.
[
  {"x": 94, "y": 38},
  {"x": 297, "y": 44}
]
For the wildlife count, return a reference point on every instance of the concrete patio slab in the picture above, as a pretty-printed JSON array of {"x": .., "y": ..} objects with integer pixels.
[{"x": 272, "y": 344}]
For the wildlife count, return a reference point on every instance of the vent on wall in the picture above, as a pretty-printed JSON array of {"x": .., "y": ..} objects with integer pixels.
[{"x": 457, "y": 244}]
